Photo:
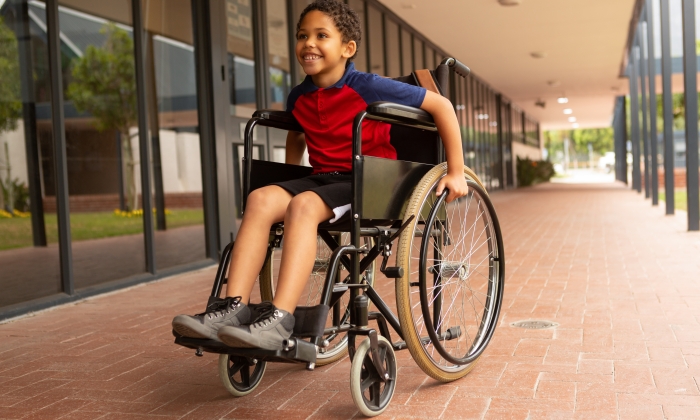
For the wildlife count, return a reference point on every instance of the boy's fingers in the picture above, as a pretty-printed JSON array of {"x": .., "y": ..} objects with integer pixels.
[{"x": 440, "y": 187}]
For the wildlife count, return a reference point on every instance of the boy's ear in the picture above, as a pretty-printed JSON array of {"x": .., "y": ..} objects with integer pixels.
[{"x": 350, "y": 49}]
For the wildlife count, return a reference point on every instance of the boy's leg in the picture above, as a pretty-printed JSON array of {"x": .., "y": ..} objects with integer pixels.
[
  {"x": 264, "y": 207},
  {"x": 276, "y": 323},
  {"x": 305, "y": 212}
]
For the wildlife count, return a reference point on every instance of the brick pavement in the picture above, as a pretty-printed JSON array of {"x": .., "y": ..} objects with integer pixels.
[{"x": 621, "y": 279}]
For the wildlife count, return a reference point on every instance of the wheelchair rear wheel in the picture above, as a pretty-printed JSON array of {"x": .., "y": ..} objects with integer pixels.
[
  {"x": 337, "y": 342},
  {"x": 450, "y": 296}
]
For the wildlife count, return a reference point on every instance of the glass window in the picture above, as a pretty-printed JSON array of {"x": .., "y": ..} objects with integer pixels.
[
  {"x": 175, "y": 142},
  {"x": 375, "y": 38},
  {"x": 418, "y": 62},
  {"x": 360, "y": 59},
  {"x": 28, "y": 224},
  {"x": 406, "y": 52},
  {"x": 102, "y": 142},
  {"x": 430, "y": 58},
  {"x": 278, "y": 50},
  {"x": 298, "y": 7},
  {"x": 393, "y": 52},
  {"x": 241, "y": 67}
]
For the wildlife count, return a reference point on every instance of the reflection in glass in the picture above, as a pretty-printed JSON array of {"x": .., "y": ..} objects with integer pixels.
[
  {"x": 28, "y": 223},
  {"x": 175, "y": 142},
  {"x": 102, "y": 143},
  {"x": 361, "y": 57},
  {"x": 393, "y": 49},
  {"x": 418, "y": 62},
  {"x": 241, "y": 67},
  {"x": 430, "y": 58},
  {"x": 278, "y": 46},
  {"x": 406, "y": 52},
  {"x": 375, "y": 37}
]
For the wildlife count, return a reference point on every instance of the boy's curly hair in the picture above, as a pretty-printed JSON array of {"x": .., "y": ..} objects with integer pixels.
[{"x": 345, "y": 19}]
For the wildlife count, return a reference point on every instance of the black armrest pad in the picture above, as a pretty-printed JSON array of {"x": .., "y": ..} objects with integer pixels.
[
  {"x": 400, "y": 112},
  {"x": 278, "y": 119}
]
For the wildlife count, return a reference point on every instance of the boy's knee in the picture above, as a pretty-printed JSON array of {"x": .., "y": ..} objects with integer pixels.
[
  {"x": 307, "y": 205},
  {"x": 262, "y": 200}
]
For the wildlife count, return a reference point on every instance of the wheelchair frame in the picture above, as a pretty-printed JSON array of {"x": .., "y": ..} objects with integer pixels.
[{"x": 298, "y": 350}]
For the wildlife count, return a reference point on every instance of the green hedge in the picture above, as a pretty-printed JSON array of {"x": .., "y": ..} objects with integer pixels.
[{"x": 532, "y": 172}]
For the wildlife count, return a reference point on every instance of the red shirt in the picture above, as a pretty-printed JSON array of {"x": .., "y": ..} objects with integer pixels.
[{"x": 327, "y": 114}]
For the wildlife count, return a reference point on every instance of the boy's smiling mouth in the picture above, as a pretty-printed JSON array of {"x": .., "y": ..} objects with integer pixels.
[{"x": 311, "y": 57}]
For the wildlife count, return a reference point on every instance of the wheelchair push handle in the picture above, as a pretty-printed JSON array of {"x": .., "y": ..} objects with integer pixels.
[{"x": 457, "y": 66}]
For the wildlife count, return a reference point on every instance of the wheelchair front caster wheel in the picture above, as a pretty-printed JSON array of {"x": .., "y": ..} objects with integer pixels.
[
  {"x": 371, "y": 393},
  {"x": 240, "y": 375}
]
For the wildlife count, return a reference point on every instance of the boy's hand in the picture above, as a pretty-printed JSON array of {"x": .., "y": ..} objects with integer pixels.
[{"x": 455, "y": 183}]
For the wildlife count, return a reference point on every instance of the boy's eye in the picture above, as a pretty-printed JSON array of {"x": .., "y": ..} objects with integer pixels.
[
  {"x": 301, "y": 36},
  {"x": 322, "y": 36}
]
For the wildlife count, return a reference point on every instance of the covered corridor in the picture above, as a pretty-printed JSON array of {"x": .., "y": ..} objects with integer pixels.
[{"x": 619, "y": 278}]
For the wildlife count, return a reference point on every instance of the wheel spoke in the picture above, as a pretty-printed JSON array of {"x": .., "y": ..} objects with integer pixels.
[{"x": 245, "y": 375}]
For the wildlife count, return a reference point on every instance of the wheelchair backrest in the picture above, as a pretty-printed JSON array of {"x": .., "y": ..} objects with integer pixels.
[{"x": 416, "y": 145}]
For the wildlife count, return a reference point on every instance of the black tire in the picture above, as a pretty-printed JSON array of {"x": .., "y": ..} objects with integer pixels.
[
  {"x": 370, "y": 394},
  {"x": 240, "y": 375},
  {"x": 450, "y": 296},
  {"x": 337, "y": 343}
]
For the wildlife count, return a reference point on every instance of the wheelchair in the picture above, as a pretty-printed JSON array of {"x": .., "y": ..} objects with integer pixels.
[{"x": 448, "y": 269}]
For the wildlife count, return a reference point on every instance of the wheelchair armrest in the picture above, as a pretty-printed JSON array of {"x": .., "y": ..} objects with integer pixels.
[
  {"x": 401, "y": 114},
  {"x": 278, "y": 119}
]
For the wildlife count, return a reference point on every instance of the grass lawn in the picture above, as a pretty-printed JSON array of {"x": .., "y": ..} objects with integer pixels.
[
  {"x": 680, "y": 199},
  {"x": 17, "y": 232}
]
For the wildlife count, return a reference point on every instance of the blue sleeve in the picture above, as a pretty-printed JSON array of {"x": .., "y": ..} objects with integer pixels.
[
  {"x": 375, "y": 88},
  {"x": 292, "y": 98}
]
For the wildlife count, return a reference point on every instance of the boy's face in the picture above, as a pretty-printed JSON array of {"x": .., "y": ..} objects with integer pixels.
[{"x": 320, "y": 49}]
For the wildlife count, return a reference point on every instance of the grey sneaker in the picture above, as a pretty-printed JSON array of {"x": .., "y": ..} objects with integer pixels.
[
  {"x": 267, "y": 332},
  {"x": 225, "y": 312}
]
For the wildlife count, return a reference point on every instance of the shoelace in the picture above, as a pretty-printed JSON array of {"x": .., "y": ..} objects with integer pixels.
[
  {"x": 267, "y": 310},
  {"x": 217, "y": 309}
]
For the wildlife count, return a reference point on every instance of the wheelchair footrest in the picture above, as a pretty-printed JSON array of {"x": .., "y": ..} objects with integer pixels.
[{"x": 296, "y": 350}]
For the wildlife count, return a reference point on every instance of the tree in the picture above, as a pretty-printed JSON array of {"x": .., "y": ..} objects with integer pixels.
[
  {"x": 10, "y": 106},
  {"x": 104, "y": 85}
]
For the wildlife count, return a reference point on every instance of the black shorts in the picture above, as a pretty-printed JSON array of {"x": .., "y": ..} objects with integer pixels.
[{"x": 334, "y": 189}]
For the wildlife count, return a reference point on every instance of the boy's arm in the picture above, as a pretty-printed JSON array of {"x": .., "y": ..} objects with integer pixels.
[
  {"x": 296, "y": 144},
  {"x": 448, "y": 128}
]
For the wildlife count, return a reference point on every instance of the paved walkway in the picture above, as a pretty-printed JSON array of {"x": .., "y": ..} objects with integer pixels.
[{"x": 620, "y": 278}]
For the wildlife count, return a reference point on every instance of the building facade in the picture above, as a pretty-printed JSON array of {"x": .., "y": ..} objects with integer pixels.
[{"x": 109, "y": 108}]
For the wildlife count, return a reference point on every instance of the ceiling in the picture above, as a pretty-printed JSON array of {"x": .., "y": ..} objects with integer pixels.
[{"x": 583, "y": 42}]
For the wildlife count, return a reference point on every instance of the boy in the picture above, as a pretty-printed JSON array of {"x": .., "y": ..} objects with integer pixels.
[{"x": 325, "y": 104}]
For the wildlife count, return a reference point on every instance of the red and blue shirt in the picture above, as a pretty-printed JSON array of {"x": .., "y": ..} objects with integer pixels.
[{"x": 327, "y": 114}]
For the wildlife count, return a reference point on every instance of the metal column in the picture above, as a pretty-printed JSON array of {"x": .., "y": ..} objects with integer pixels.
[
  {"x": 144, "y": 141},
  {"x": 59, "y": 147},
  {"x": 207, "y": 139},
  {"x": 690, "y": 71},
  {"x": 667, "y": 100},
  {"x": 31, "y": 142},
  {"x": 634, "y": 118},
  {"x": 641, "y": 31},
  {"x": 653, "y": 132}
]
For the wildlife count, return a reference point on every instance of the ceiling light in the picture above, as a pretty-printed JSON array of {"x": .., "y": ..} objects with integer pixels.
[
  {"x": 538, "y": 54},
  {"x": 509, "y": 2},
  {"x": 574, "y": 125},
  {"x": 568, "y": 111},
  {"x": 572, "y": 119},
  {"x": 563, "y": 100}
]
